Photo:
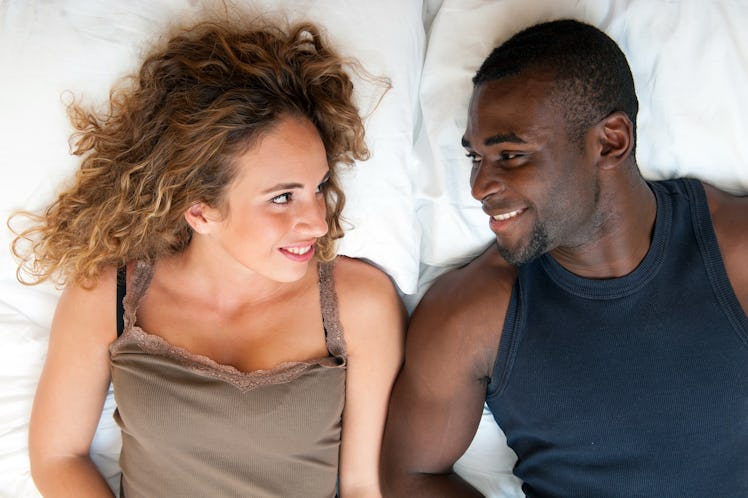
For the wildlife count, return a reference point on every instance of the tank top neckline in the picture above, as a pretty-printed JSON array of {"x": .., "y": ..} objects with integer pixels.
[
  {"x": 615, "y": 288},
  {"x": 204, "y": 365}
]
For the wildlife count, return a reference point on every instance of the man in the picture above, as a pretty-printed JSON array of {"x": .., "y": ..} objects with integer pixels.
[{"x": 606, "y": 327}]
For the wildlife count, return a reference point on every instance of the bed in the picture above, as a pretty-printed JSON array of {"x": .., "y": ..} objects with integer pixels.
[{"x": 409, "y": 210}]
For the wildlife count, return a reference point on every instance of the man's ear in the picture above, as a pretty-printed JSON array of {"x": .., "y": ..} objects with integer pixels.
[
  {"x": 199, "y": 217},
  {"x": 616, "y": 139}
]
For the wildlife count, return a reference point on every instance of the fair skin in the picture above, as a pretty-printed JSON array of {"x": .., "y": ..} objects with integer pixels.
[
  {"x": 262, "y": 278},
  {"x": 597, "y": 215}
]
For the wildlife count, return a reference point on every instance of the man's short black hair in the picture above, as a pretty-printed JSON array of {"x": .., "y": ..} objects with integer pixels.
[{"x": 592, "y": 76}]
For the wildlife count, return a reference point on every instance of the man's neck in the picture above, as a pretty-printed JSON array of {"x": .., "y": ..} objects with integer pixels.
[{"x": 621, "y": 241}]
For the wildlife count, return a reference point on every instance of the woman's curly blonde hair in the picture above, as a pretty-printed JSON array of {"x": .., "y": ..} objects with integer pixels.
[{"x": 169, "y": 140}]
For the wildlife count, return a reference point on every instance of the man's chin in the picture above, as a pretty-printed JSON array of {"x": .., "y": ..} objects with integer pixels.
[{"x": 522, "y": 255}]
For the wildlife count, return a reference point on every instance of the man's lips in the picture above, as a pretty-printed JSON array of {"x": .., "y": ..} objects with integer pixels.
[
  {"x": 501, "y": 221},
  {"x": 508, "y": 215}
]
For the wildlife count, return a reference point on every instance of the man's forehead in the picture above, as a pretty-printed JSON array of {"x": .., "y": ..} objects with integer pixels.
[
  {"x": 515, "y": 111},
  {"x": 489, "y": 103},
  {"x": 534, "y": 83}
]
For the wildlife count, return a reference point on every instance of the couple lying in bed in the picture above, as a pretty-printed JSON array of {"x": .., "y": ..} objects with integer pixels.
[{"x": 605, "y": 326}]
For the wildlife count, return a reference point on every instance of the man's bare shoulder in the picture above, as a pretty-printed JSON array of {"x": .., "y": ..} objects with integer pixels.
[
  {"x": 461, "y": 316},
  {"x": 728, "y": 211},
  {"x": 730, "y": 221},
  {"x": 485, "y": 281}
]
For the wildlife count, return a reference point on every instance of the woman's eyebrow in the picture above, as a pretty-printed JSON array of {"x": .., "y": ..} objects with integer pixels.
[{"x": 283, "y": 186}]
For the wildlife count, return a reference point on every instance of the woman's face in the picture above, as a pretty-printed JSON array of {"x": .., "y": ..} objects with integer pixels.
[{"x": 276, "y": 207}]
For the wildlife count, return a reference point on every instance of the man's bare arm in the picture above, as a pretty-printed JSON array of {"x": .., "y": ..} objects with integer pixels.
[{"x": 439, "y": 395}]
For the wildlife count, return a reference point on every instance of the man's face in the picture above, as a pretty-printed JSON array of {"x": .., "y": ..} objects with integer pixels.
[{"x": 539, "y": 189}]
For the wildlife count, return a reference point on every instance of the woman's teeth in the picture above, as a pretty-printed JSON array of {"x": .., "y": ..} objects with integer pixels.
[{"x": 299, "y": 250}]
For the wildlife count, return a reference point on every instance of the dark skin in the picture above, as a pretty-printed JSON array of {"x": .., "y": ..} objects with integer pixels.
[{"x": 597, "y": 214}]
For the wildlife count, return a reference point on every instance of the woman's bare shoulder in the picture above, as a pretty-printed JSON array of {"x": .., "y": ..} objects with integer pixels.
[
  {"x": 360, "y": 278},
  {"x": 367, "y": 298},
  {"x": 90, "y": 307}
]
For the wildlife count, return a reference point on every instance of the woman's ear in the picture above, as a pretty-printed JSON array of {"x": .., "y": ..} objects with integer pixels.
[
  {"x": 616, "y": 139},
  {"x": 199, "y": 217}
]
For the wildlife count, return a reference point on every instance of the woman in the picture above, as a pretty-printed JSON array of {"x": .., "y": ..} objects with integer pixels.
[{"x": 246, "y": 359}]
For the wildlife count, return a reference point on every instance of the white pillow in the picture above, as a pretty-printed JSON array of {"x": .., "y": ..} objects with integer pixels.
[
  {"x": 388, "y": 38},
  {"x": 690, "y": 65},
  {"x": 83, "y": 46}
]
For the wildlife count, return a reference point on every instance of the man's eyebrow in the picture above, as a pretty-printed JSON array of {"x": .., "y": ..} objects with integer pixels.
[
  {"x": 496, "y": 139},
  {"x": 503, "y": 137}
]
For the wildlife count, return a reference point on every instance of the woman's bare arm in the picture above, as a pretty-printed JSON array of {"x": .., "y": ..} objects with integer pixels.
[
  {"x": 373, "y": 320},
  {"x": 71, "y": 393}
]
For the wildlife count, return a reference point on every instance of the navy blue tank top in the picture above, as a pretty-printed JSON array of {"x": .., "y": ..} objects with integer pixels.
[{"x": 635, "y": 386}]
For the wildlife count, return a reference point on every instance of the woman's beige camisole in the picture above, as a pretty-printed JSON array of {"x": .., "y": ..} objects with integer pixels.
[{"x": 194, "y": 428}]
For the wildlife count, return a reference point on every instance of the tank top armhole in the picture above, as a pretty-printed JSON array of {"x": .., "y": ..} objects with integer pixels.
[
  {"x": 508, "y": 344},
  {"x": 334, "y": 337},
  {"x": 121, "y": 292},
  {"x": 712, "y": 257}
]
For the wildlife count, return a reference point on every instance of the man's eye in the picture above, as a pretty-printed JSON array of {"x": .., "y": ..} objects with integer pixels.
[
  {"x": 281, "y": 199},
  {"x": 508, "y": 156},
  {"x": 473, "y": 158}
]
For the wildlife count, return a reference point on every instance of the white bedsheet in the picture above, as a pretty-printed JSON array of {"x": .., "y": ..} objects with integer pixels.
[{"x": 409, "y": 205}]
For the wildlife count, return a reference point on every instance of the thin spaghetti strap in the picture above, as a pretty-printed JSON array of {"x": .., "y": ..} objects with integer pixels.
[
  {"x": 329, "y": 303},
  {"x": 121, "y": 291}
]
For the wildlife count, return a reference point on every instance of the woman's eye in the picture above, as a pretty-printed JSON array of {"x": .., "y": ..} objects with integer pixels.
[
  {"x": 281, "y": 199},
  {"x": 321, "y": 187}
]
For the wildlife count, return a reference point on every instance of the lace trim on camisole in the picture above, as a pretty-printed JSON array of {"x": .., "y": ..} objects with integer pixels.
[{"x": 203, "y": 365}]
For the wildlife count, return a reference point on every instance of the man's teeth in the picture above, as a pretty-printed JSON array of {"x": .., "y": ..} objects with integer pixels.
[
  {"x": 506, "y": 216},
  {"x": 299, "y": 250}
]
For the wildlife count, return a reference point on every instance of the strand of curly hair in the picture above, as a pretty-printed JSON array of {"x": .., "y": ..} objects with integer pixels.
[{"x": 169, "y": 138}]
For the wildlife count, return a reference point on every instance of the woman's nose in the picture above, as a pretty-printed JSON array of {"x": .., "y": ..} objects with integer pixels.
[{"x": 313, "y": 219}]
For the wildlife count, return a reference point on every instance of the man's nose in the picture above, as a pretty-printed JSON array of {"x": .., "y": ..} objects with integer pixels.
[{"x": 485, "y": 181}]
